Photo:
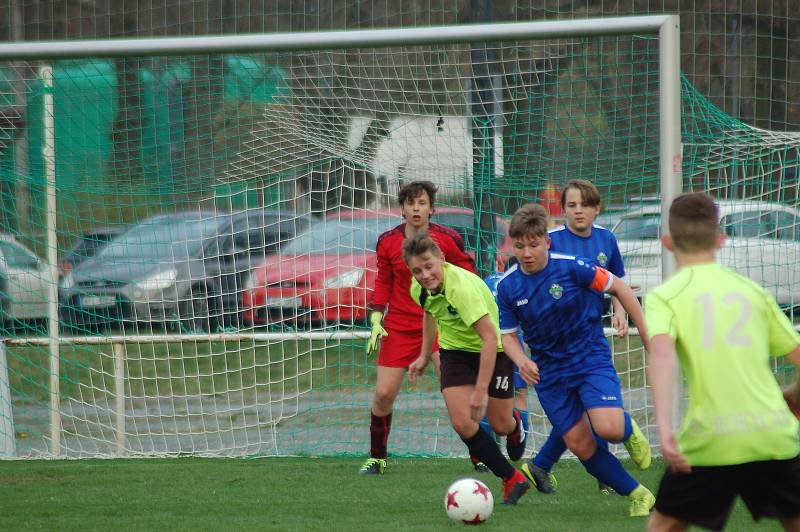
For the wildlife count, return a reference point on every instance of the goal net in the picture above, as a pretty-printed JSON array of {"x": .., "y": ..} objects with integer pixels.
[{"x": 215, "y": 217}]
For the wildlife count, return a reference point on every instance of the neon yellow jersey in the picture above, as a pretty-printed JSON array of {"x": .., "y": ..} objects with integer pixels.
[
  {"x": 725, "y": 328},
  {"x": 463, "y": 300}
]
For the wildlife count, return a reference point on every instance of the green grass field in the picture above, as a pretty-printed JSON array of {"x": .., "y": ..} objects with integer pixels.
[{"x": 292, "y": 494}]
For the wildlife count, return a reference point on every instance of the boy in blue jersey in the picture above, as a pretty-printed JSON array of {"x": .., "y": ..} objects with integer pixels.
[
  {"x": 552, "y": 297},
  {"x": 580, "y": 202}
]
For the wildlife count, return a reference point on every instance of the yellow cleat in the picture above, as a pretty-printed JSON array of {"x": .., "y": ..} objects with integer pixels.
[
  {"x": 642, "y": 501},
  {"x": 638, "y": 447},
  {"x": 373, "y": 466}
]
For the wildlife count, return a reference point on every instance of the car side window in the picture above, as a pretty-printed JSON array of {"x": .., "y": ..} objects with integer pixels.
[
  {"x": 749, "y": 224},
  {"x": 17, "y": 257},
  {"x": 786, "y": 226},
  {"x": 250, "y": 241},
  {"x": 249, "y": 237}
]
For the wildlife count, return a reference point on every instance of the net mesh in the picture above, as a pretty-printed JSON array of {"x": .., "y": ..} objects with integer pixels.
[{"x": 242, "y": 196}]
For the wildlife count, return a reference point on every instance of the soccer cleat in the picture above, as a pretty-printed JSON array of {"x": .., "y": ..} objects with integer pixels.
[
  {"x": 642, "y": 501},
  {"x": 638, "y": 447},
  {"x": 373, "y": 466},
  {"x": 514, "y": 488},
  {"x": 605, "y": 489},
  {"x": 515, "y": 442},
  {"x": 479, "y": 466},
  {"x": 542, "y": 480}
]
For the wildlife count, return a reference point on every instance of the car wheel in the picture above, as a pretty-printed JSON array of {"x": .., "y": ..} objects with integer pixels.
[{"x": 198, "y": 314}]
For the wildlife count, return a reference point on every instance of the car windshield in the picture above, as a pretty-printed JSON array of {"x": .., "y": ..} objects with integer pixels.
[
  {"x": 162, "y": 238},
  {"x": 357, "y": 235},
  {"x": 639, "y": 227},
  {"x": 88, "y": 246}
]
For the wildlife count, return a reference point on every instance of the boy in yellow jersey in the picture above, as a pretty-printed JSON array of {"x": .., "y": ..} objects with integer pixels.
[
  {"x": 476, "y": 377},
  {"x": 738, "y": 436}
]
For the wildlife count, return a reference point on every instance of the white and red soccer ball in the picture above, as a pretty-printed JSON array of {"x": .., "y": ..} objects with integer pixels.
[{"x": 468, "y": 501}]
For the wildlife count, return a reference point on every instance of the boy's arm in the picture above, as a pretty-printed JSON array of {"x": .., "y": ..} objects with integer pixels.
[
  {"x": 616, "y": 266},
  {"x": 628, "y": 300},
  {"x": 792, "y": 392},
  {"x": 528, "y": 369},
  {"x": 661, "y": 369},
  {"x": 428, "y": 336},
  {"x": 479, "y": 399},
  {"x": 383, "y": 281},
  {"x": 619, "y": 319}
]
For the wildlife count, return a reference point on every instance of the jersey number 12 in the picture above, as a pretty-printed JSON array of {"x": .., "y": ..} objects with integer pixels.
[{"x": 732, "y": 335}]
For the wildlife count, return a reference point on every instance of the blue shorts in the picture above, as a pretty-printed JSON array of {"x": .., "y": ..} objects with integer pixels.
[{"x": 565, "y": 399}]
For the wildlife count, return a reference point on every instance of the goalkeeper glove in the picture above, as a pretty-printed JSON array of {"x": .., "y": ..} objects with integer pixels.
[{"x": 375, "y": 318}]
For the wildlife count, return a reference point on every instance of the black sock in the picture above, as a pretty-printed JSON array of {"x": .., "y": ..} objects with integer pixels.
[
  {"x": 379, "y": 427},
  {"x": 484, "y": 447}
]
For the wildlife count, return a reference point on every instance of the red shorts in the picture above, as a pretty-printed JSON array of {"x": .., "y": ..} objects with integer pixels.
[{"x": 400, "y": 348}]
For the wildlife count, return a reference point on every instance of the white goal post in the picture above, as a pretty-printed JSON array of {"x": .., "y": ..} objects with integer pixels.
[{"x": 666, "y": 27}]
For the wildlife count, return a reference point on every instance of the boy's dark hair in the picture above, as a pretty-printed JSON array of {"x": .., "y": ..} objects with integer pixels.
[
  {"x": 589, "y": 192},
  {"x": 529, "y": 220},
  {"x": 414, "y": 189},
  {"x": 418, "y": 245},
  {"x": 694, "y": 222}
]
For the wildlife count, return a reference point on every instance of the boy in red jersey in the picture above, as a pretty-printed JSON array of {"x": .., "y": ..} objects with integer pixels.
[{"x": 394, "y": 317}]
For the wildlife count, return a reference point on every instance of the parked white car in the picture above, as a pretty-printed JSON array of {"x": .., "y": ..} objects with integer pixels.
[
  {"x": 763, "y": 243},
  {"x": 24, "y": 279}
]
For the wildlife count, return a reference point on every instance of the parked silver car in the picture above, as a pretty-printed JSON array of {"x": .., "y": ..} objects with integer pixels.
[
  {"x": 763, "y": 243},
  {"x": 184, "y": 269},
  {"x": 88, "y": 243},
  {"x": 24, "y": 281}
]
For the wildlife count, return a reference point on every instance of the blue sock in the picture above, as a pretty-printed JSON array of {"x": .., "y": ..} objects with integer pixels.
[
  {"x": 606, "y": 468},
  {"x": 551, "y": 451},
  {"x": 484, "y": 423},
  {"x": 628, "y": 427},
  {"x": 525, "y": 421},
  {"x": 601, "y": 443}
]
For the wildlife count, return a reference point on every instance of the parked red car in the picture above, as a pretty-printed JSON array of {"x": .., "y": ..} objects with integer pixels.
[{"x": 326, "y": 275}]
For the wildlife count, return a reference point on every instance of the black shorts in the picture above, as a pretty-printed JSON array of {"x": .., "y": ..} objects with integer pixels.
[
  {"x": 705, "y": 496},
  {"x": 460, "y": 368}
]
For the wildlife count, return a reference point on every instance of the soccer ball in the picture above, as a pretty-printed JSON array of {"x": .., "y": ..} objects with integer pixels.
[{"x": 468, "y": 501}]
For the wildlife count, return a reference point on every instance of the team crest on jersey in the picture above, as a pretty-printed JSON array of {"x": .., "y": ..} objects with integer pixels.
[
  {"x": 556, "y": 291},
  {"x": 452, "y": 310},
  {"x": 602, "y": 259}
]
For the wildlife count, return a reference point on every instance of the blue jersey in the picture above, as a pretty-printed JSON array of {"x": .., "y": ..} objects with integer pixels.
[
  {"x": 600, "y": 246},
  {"x": 556, "y": 310}
]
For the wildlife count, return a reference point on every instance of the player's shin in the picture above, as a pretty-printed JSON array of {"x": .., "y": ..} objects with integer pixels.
[
  {"x": 628, "y": 426},
  {"x": 525, "y": 415},
  {"x": 551, "y": 451},
  {"x": 484, "y": 447},
  {"x": 379, "y": 428},
  {"x": 605, "y": 467}
]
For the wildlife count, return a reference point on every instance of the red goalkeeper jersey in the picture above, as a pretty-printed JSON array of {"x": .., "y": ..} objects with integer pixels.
[{"x": 393, "y": 284}]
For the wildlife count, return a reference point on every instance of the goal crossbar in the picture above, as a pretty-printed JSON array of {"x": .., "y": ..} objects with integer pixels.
[{"x": 274, "y": 42}]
